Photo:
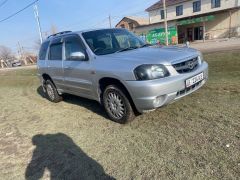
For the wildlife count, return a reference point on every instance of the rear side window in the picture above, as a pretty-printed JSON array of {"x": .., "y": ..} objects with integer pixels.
[
  {"x": 55, "y": 51},
  {"x": 43, "y": 51}
]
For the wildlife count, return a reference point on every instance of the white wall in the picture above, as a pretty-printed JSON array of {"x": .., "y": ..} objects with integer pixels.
[
  {"x": 145, "y": 29},
  {"x": 188, "y": 9}
]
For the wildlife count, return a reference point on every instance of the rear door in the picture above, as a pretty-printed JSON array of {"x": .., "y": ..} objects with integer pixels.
[
  {"x": 77, "y": 73},
  {"x": 41, "y": 63},
  {"x": 54, "y": 62}
]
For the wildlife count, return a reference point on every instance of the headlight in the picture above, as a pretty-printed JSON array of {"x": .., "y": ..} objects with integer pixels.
[
  {"x": 150, "y": 72},
  {"x": 200, "y": 58}
]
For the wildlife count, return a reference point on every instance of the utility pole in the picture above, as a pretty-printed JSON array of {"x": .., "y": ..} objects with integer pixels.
[
  {"x": 230, "y": 23},
  {"x": 22, "y": 54},
  {"x": 20, "y": 50},
  {"x": 165, "y": 21},
  {"x": 38, "y": 22},
  {"x": 110, "y": 21}
]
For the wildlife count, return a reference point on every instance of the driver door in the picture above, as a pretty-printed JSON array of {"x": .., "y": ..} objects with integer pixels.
[{"x": 77, "y": 72}]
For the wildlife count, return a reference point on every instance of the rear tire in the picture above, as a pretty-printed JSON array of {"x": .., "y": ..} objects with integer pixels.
[
  {"x": 51, "y": 92},
  {"x": 117, "y": 105}
]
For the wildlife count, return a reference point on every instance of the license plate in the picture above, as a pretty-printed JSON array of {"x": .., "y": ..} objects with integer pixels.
[{"x": 194, "y": 80}]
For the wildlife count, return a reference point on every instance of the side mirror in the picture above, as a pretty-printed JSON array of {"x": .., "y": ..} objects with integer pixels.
[{"x": 77, "y": 56}]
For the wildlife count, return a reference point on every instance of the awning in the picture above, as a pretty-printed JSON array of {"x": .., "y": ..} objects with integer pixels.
[{"x": 196, "y": 20}]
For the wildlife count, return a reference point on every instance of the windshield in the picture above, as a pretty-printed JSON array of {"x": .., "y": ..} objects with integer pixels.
[{"x": 110, "y": 41}]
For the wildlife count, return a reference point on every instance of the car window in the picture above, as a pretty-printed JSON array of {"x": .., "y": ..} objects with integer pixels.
[
  {"x": 122, "y": 40},
  {"x": 73, "y": 44},
  {"x": 126, "y": 40},
  {"x": 90, "y": 43},
  {"x": 43, "y": 51},
  {"x": 55, "y": 52},
  {"x": 109, "y": 41}
]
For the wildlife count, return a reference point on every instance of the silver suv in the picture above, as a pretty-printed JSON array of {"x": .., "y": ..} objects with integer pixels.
[{"x": 120, "y": 71}]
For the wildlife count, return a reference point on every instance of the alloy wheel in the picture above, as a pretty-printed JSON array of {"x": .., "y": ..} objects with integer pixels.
[
  {"x": 50, "y": 91},
  {"x": 115, "y": 105}
]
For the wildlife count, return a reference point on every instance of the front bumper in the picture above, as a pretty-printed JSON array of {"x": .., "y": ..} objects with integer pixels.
[{"x": 149, "y": 95}]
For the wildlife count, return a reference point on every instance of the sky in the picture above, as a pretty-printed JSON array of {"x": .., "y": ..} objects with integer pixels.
[{"x": 71, "y": 15}]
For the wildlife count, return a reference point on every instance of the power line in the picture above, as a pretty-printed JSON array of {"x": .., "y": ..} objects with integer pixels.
[
  {"x": 107, "y": 18},
  {"x": 4, "y": 2},
  {"x": 16, "y": 13},
  {"x": 129, "y": 8},
  {"x": 103, "y": 22},
  {"x": 129, "y": 14},
  {"x": 106, "y": 21}
]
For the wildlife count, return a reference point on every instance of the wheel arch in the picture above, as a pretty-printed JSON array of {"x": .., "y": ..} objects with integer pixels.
[
  {"x": 46, "y": 77},
  {"x": 106, "y": 81}
]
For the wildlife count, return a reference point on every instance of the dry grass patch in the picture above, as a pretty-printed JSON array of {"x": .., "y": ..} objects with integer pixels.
[{"x": 197, "y": 137}]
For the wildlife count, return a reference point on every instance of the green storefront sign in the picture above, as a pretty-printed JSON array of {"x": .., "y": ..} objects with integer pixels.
[
  {"x": 196, "y": 20},
  {"x": 159, "y": 36}
]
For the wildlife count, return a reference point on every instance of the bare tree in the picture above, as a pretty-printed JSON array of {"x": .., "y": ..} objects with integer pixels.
[
  {"x": 37, "y": 45},
  {"x": 5, "y": 53},
  {"x": 54, "y": 29}
]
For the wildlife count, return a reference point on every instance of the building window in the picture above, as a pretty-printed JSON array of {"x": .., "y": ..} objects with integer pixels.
[
  {"x": 162, "y": 14},
  {"x": 196, "y": 6},
  {"x": 216, "y": 3},
  {"x": 179, "y": 10},
  {"x": 122, "y": 26}
]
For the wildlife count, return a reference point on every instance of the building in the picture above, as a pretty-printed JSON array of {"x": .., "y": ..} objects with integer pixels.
[
  {"x": 189, "y": 20},
  {"x": 131, "y": 22},
  {"x": 199, "y": 19}
]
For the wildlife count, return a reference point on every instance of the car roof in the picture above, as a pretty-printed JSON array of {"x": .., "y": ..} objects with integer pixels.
[
  {"x": 63, "y": 33},
  {"x": 89, "y": 30}
]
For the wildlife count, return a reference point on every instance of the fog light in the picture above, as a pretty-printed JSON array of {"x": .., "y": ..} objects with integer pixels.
[{"x": 158, "y": 101}]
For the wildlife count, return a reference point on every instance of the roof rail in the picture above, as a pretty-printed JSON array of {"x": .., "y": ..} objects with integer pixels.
[{"x": 60, "y": 33}]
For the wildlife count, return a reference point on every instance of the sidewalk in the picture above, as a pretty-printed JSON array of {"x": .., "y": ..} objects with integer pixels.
[{"x": 217, "y": 45}]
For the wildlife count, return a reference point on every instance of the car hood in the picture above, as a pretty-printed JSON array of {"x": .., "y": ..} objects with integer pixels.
[{"x": 154, "y": 55}]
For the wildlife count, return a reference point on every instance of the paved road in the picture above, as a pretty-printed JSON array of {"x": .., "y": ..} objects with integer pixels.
[{"x": 218, "y": 45}]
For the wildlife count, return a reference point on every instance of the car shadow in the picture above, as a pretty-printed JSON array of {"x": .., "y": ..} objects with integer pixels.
[
  {"x": 76, "y": 100},
  {"x": 63, "y": 159}
]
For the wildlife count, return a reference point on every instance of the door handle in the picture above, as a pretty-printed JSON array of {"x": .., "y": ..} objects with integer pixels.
[{"x": 68, "y": 67}]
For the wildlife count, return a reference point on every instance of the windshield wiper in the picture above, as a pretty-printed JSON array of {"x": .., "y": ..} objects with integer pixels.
[{"x": 127, "y": 49}]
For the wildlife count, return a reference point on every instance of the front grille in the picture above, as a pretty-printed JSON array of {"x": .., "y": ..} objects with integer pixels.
[
  {"x": 186, "y": 66},
  {"x": 191, "y": 88}
]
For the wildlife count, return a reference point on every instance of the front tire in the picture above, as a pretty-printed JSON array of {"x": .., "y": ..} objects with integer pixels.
[
  {"x": 117, "y": 104},
  {"x": 51, "y": 92}
]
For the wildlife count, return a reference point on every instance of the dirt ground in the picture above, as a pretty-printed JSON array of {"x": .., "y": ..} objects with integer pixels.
[{"x": 197, "y": 137}]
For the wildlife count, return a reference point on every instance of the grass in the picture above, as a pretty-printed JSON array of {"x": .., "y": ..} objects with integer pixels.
[{"x": 197, "y": 137}]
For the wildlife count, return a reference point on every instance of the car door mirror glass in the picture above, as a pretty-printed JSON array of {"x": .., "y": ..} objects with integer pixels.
[{"x": 77, "y": 56}]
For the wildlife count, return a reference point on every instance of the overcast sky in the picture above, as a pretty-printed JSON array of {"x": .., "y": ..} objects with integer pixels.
[{"x": 64, "y": 14}]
